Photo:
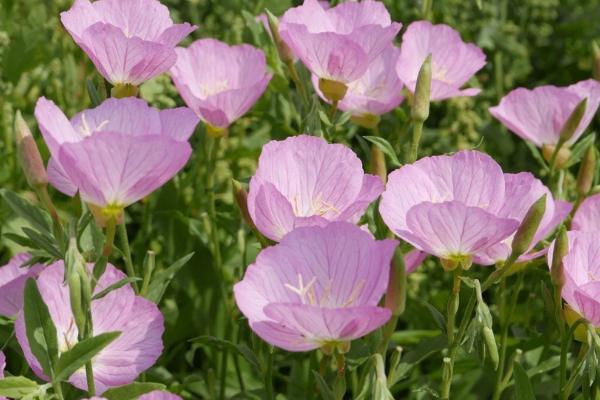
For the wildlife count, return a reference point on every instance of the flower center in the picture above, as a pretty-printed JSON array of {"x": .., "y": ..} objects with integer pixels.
[
  {"x": 85, "y": 128},
  {"x": 214, "y": 87},
  {"x": 308, "y": 296},
  {"x": 318, "y": 206},
  {"x": 69, "y": 338}
]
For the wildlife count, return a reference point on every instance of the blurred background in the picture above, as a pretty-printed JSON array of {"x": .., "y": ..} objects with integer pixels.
[{"x": 527, "y": 43}]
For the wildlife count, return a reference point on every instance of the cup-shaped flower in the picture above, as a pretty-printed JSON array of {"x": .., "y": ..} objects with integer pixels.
[
  {"x": 13, "y": 277},
  {"x": 522, "y": 190},
  {"x": 139, "y": 321},
  {"x": 377, "y": 91},
  {"x": 117, "y": 153},
  {"x": 338, "y": 43},
  {"x": 220, "y": 82},
  {"x": 453, "y": 62},
  {"x": 2, "y": 367},
  {"x": 538, "y": 115},
  {"x": 320, "y": 286},
  {"x": 581, "y": 269},
  {"x": 587, "y": 216},
  {"x": 304, "y": 180},
  {"x": 129, "y": 42},
  {"x": 159, "y": 395},
  {"x": 448, "y": 206}
]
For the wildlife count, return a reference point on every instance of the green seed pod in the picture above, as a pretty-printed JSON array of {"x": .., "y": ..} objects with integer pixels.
[
  {"x": 422, "y": 99},
  {"x": 285, "y": 53},
  {"x": 529, "y": 226},
  {"x": 490, "y": 344},
  {"x": 241, "y": 199}
]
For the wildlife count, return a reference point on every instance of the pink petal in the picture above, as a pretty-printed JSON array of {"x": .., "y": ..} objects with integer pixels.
[
  {"x": 13, "y": 277},
  {"x": 117, "y": 169},
  {"x": 587, "y": 302},
  {"x": 587, "y": 217},
  {"x": 452, "y": 229},
  {"x": 159, "y": 395},
  {"x": 175, "y": 34},
  {"x": 371, "y": 189},
  {"x": 79, "y": 17},
  {"x": 471, "y": 177},
  {"x": 54, "y": 125},
  {"x": 59, "y": 178},
  {"x": 454, "y": 62},
  {"x": 271, "y": 212},
  {"x": 121, "y": 59},
  {"x": 413, "y": 259}
]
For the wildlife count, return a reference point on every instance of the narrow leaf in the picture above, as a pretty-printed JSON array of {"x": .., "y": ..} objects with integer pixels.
[
  {"x": 162, "y": 279},
  {"x": 523, "y": 388},
  {"x": 40, "y": 329},
  {"x": 386, "y": 148},
  {"x": 70, "y": 361},
  {"x": 117, "y": 285},
  {"x": 324, "y": 389},
  {"x": 35, "y": 216}
]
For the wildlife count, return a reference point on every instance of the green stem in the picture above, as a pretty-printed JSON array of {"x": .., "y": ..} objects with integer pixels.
[
  {"x": 333, "y": 110},
  {"x": 388, "y": 331},
  {"x": 268, "y": 376},
  {"x": 124, "y": 239},
  {"x": 111, "y": 228},
  {"x": 57, "y": 228},
  {"x": 453, "y": 341},
  {"x": 505, "y": 319},
  {"x": 297, "y": 82},
  {"x": 416, "y": 138},
  {"x": 212, "y": 210},
  {"x": 583, "y": 352}
]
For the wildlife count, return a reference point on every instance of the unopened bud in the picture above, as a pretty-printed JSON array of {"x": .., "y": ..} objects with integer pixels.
[
  {"x": 561, "y": 248},
  {"x": 241, "y": 198},
  {"x": 561, "y": 158},
  {"x": 285, "y": 53},
  {"x": 422, "y": 98},
  {"x": 490, "y": 345},
  {"x": 395, "y": 298},
  {"x": 120, "y": 91},
  {"x": 529, "y": 226},
  {"x": 79, "y": 303},
  {"x": 333, "y": 91},
  {"x": 29, "y": 154},
  {"x": 572, "y": 123},
  {"x": 596, "y": 51},
  {"x": 587, "y": 169},
  {"x": 216, "y": 132},
  {"x": 378, "y": 166}
]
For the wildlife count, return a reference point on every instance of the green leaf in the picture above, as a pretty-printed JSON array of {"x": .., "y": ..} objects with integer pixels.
[
  {"x": 43, "y": 241},
  {"x": 40, "y": 329},
  {"x": 579, "y": 149},
  {"x": 132, "y": 391},
  {"x": 386, "y": 148},
  {"x": 70, "y": 361},
  {"x": 93, "y": 93},
  {"x": 438, "y": 317},
  {"x": 117, "y": 285},
  {"x": 523, "y": 388},
  {"x": 162, "y": 279},
  {"x": 35, "y": 216},
  {"x": 221, "y": 344},
  {"x": 16, "y": 387},
  {"x": 324, "y": 389},
  {"x": 419, "y": 353}
]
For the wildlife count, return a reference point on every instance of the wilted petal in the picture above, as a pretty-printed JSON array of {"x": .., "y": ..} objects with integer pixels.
[{"x": 452, "y": 229}]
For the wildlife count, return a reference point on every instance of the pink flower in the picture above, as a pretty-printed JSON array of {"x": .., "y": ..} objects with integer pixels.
[
  {"x": 448, "y": 206},
  {"x": 220, "y": 82},
  {"x": 521, "y": 191},
  {"x": 319, "y": 286},
  {"x": 13, "y": 277},
  {"x": 304, "y": 180},
  {"x": 139, "y": 321},
  {"x": 117, "y": 153},
  {"x": 129, "y": 41},
  {"x": 159, "y": 395},
  {"x": 2, "y": 366},
  {"x": 538, "y": 115},
  {"x": 377, "y": 91},
  {"x": 453, "y": 62},
  {"x": 587, "y": 216},
  {"x": 338, "y": 43},
  {"x": 582, "y": 274}
]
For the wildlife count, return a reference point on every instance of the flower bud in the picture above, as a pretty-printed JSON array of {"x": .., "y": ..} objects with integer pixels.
[
  {"x": 285, "y": 53},
  {"x": 378, "y": 166},
  {"x": 80, "y": 302},
  {"x": 333, "y": 91},
  {"x": 490, "y": 344},
  {"x": 395, "y": 298},
  {"x": 216, "y": 132},
  {"x": 422, "y": 98},
  {"x": 120, "y": 91},
  {"x": 29, "y": 155},
  {"x": 587, "y": 169},
  {"x": 561, "y": 248},
  {"x": 561, "y": 158},
  {"x": 572, "y": 123},
  {"x": 529, "y": 226},
  {"x": 241, "y": 198}
]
